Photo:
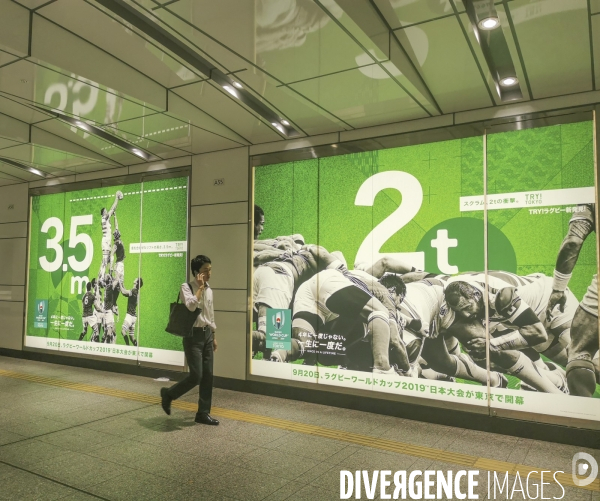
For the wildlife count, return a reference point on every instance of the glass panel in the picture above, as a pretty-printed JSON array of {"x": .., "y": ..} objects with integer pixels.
[
  {"x": 85, "y": 260},
  {"x": 163, "y": 266},
  {"x": 541, "y": 212},
  {"x": 44, "y": 299}
]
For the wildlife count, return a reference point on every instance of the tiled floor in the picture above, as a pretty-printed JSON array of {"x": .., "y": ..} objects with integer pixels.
[{"x": 58, "y": 443}]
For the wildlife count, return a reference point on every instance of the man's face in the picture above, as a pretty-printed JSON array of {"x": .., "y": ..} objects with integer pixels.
[
  {"x": 259, "y": 226},
  {"x": 468, "y": 308},
  {"x": 398, "y": 298},
  {"x": 206, "y": 271}
]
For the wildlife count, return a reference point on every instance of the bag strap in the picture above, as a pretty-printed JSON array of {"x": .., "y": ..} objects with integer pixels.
[{"x": 191, "y": 290}]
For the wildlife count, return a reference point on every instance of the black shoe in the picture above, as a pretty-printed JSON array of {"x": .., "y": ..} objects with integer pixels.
[
  {"x": 206, "y": 419},
  {"x": 166, "y": 401},
  {"x": 81, "y": 336}
]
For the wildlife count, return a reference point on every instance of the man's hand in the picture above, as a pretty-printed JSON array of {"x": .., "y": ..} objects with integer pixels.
[
  {"x": 556, "y": 298},
  {"x": 214, "y": 344},
  {"x": 476, "y": 345},
  {"x": 200, "y": 280}
]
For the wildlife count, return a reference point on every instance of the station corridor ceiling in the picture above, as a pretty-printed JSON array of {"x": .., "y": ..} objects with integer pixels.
[{"x": 173, "y": 78}]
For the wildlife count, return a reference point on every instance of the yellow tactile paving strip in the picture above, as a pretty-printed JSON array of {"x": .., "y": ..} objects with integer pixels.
[{"x": 464, "y": 460}]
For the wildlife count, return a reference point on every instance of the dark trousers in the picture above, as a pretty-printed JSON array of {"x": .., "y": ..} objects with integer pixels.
[{"x": 198, "y": 351}]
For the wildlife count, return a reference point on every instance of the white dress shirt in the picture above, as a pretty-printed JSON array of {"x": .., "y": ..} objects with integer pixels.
[{"x": 207, "y": 313}]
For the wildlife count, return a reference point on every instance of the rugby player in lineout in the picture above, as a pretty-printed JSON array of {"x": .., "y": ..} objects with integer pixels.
[
  {"x": 118, "y": 254},
  {"x": 128, "y": 328},
  {"x": 107, "y": 233},
  {"x": 89, "y": 319},
  {"x": 581, "y": 371}
]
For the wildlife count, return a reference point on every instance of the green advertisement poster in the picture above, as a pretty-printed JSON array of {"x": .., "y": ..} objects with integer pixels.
[
  {"x": 104, "y": 265},
  {"x": 381, "y": 257}
]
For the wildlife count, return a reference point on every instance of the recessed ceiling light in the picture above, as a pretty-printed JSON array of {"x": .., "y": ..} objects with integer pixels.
[
  {"x": 237, "y": 84},
  {"x": 285, "y": 122},
  {"x": 274, "y": 124},
  {"x": 489, "y": 23},
  {"x": 334, "y": 145},
  {"x": 509, "y": 81},
  {"x": 137, "y": 152},
  {"x": 231, "y": 90}
]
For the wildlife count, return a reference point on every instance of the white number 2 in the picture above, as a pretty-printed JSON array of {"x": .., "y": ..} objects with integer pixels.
[
  {"x": 412, "y": 199},
  {"x": 53, "y": 244}
]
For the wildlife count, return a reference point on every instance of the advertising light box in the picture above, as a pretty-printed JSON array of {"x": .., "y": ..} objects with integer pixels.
[
  {"x": 104, "y": 265},
  {"x": 398, "y": 275}
]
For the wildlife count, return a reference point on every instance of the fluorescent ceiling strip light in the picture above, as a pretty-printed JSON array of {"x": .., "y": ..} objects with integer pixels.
[
  {"x": 27, "y": 168},
  {"x": 152, "y": 29},
  {"x": 102, "y": 134}
]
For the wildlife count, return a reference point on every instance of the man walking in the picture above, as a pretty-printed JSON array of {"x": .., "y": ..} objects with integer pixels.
[{"x": 200, "y": 346}]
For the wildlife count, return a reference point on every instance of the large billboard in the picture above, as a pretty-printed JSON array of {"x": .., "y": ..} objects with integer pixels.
[
  {"x": 104, "y": 265},
  {"x": 400, "y": 279}
]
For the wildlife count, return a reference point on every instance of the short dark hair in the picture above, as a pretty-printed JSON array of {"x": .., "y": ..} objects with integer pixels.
[
  {"x": 455, "y": 290},
  {"x": 198, "y": 262},
  {"x": 102, "y": 211},
  {"x": 394, "y": 283},
  {"x": 258, "y": 212},
  {"x": 88, "y": 286},
  {"x": 140, "y": 283}
]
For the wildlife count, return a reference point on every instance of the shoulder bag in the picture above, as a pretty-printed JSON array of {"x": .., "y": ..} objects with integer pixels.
[{"x": 181, "y": 319}]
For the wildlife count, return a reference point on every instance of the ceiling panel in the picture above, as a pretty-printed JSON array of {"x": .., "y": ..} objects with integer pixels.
[
  {"x": 447, "y": 65},
  {"x": 54, "y": 161},
  {"x": 21, "y": 111},
  {"x": 362, "y": 97},
  {"x": 407, "y": 12},
  {"x": 56, "y": 141},
  {"x": 82, "y": 143},
  {"x": 594, "y": 6},
  {"x": 7, "y": 180},
  {"x": 48, "y": 160},
  {"x": 209, "y": 48},
  {"x": 235, "y": 29},
  {"x": 554, "y": 39},
  {"x": 54, "y": 45},
  {"x": 32, "y": 4},
  {"x": 12, "y": 175},
  {"x": 226, "y": 110},
  {"x": 292, "y": 40},
  {"x": 7, "y": 143},
  {"x": 596, "y": 39},
  {"x": 87, "y": 21},
  {"x": 292, "y": 106},
  {"x": 176, "y": 133},
  {"x": 179, "y": 108},
  {"x": 13, "y": 129},
  {"x": 7, "y": 57},
  {"x": 31, "y": 83},
  {"x": 14, "y": 28}
]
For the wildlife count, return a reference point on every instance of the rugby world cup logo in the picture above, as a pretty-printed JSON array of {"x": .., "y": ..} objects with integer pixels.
[{"x": 278, "y": 320}]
